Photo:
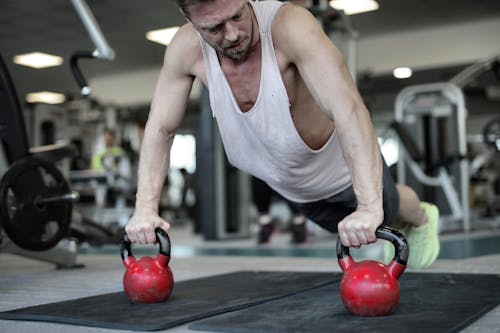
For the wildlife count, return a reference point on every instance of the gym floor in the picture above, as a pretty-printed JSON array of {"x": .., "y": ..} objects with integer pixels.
[{"x": 25, "y": 282}]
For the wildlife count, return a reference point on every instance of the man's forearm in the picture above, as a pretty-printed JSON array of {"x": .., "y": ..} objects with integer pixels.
[
  {"x": 362, "y": 154},
  {"x": 153, "y": 166}
]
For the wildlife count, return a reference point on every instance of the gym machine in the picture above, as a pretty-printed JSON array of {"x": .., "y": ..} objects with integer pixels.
[
  {"x": 36, "y": 203},
  {"x": 35, "y": 199},
  {"x": 485, "y": 153},
  {"x": 430, "y": 123},
  {"x": 102, "y": 51},
  {"x": 485, "y": 173}
]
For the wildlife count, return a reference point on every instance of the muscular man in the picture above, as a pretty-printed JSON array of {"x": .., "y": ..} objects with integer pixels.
[{"x": 289, "y": 113}]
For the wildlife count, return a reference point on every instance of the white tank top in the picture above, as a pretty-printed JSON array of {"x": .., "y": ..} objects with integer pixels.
[{"x": 264, "y": 141}]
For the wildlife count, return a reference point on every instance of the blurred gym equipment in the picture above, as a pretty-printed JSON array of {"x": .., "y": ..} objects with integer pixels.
[
  {"x": 35, "y": 199},
  {"x": 102, "y": 51},
  {"x": 36, "y": 203},
  {"x": 430, "y": 122},
  {"x": 485, "y": 172}
]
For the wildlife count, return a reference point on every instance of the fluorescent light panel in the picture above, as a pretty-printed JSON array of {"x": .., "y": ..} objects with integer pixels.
[
  {"x": 45, "y": 97},
  {"x": 162, "y": 36},
  {"x": 402, "y": 72},
  {"x": 351, "y": 7},
  {"x": 38, "y": 60}
]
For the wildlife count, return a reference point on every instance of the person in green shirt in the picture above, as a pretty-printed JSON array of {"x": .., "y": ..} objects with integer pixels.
[{"x": 109, "y": 158}]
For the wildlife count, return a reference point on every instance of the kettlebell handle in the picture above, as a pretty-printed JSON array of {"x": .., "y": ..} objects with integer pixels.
[
  {"x": 161, "y": 237},
  {"x": 395, "y": 237}
]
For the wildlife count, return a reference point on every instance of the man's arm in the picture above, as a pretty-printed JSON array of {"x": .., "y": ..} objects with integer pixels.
[
  {"x": 326, "y": 75},
  {"x": 167, "y": 110}
]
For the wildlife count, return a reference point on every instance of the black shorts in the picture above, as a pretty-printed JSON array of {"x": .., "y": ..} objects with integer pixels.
[{"x": 328, "y": 212}]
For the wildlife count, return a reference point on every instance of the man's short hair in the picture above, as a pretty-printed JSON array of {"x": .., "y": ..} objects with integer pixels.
[{"x": 184, "y": 4}]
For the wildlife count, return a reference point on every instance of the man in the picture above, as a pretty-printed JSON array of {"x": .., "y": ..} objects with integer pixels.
[
  {"x": 289, "y": 113},
  {"x": 108, "y": 159}
]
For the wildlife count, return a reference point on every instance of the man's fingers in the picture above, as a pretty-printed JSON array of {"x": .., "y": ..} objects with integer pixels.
[
  {"x": 355, "y": 235},
  {"x": 144, "y": 232},
  {"x": 140, "y": 238},
  {"x": 371, "y": 237},
  {"x": 341, "y": 228},
  {"x": 353, "y": 239},
  {"x": 164, "y": 225},
  {"x": 151, "y": 237}
]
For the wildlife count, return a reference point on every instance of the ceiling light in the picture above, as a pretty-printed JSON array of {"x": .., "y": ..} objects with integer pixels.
[
  {"x": 351, "y": 7},
  {"x": 162, "y": 36},
  {"x": 38, "y": 60},
  {"x": 402, "y": 72},
  {"x": 45, "y": 97}
]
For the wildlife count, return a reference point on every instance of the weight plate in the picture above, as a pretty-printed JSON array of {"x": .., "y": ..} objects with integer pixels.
[{"x": 28, "y": 224}]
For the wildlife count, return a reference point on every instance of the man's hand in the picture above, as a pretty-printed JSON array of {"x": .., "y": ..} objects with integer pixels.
[
  {"x": 142, "y": 225},
  {"x": 359, "y": 228}
]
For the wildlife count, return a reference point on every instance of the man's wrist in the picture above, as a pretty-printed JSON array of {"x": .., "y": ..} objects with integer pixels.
[
  {"x": 146, "y": 207},
  {"x": 374, "y": 209}
]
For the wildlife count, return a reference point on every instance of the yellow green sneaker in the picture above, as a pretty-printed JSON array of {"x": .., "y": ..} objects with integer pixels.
[{"x": 423, "y": 241}]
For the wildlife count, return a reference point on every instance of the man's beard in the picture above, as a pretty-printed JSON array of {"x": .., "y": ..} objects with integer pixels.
[{"x": 239, "y": 54}]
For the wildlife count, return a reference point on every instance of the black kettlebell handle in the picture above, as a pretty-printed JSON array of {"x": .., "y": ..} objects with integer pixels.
[
  {"x": 395, "y": 237},
  {"x": 161, "y": 237}
]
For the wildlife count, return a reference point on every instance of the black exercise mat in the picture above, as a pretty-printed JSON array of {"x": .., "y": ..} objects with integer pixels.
[
  {"x": 428, "y": 303},
  {"x": 191, "y": 300}
]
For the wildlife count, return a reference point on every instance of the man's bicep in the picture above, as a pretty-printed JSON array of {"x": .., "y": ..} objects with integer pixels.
[
  {"x": 170, "y": 97},
  {"x": 175, "y": 81}
]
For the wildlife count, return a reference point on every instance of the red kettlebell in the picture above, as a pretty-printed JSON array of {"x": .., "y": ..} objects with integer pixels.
[
  {"x": 147, "y": 279},
  {"x": 370, "y": 288}
]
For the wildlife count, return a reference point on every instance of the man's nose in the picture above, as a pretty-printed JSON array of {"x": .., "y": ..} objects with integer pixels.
[{"x": 231, "y": 32}]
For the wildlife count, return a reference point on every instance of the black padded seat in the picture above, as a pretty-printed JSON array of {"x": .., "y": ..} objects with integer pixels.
[{"x": 53, "y": 152}]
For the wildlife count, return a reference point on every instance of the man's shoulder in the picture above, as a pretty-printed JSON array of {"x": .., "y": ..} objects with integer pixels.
[
  {"x": 186, "y": 38},
  {"x": 288, "y": 21},
  {"x": 185, "y": 47},
  {"x": 289, "y": 18},
  {"x": 288, "y": 13}
]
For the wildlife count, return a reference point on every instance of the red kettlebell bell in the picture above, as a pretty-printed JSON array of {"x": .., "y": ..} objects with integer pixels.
[
  {"x": 147, "y": 279},
  {"x": 370, "y": 288}
]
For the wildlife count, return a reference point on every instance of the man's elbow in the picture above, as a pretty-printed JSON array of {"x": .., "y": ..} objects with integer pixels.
[{"x": 159, "y": 131}]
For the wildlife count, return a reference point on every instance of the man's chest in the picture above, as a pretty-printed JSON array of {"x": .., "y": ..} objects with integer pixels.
[{"x": 244, "y": 81}]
